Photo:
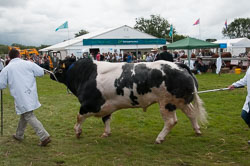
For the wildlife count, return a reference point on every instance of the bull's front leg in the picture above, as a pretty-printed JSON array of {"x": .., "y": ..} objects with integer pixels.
[
  {"x": 106, "y": 120},
  {"x": 78, "y": 129}
]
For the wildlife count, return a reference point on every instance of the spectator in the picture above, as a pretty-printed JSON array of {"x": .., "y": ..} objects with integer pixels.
[
  {"x": 164, "y": 55},
  {"x": 7, "y": 60},
  {"x": 55, "y": 60},
  {"x": 200, "y": 67},
  {"x": 129, "y": 58},
  {"x": 98, "y": 56},
  {"x": 46, "y": 62},
  {"x": 154, "y": 53},
  {"x": 102, "y": 57},
  {"x": 144, "y": 56},
  {"x": 73, "y": 56},
  {"x": 1, "y": 64},
  {"x": 149, "y": 57}
]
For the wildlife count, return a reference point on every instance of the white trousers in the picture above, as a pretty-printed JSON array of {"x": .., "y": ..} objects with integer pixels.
[{"x": 30, "y": 118}]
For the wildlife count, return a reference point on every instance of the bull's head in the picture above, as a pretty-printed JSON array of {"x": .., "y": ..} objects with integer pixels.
[{"x": 60, "y": 71}]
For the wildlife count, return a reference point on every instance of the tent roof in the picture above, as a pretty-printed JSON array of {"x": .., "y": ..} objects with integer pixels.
[
  {"x": 244, "y": 42},
  {"x": 191, "y": 43},
  {"x": 119, "y": 32}
]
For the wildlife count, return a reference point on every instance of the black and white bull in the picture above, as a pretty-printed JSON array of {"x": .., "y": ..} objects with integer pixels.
[{"x": 103, "y": 88}]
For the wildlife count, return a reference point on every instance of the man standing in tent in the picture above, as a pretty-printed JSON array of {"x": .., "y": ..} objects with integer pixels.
[
  {"x": 245, "y": 81},
  {"x": 164, "y": 55},
  {"x": 55, "y": 60}
]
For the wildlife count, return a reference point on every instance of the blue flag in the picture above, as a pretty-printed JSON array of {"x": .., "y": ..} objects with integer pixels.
[
  {"x": 171, "y": 31},
  {"x": 63, "y": 26}
]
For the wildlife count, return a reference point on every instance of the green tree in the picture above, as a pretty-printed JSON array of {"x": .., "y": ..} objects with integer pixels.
[
  {"x": 240, "y": 27},
  {"x": 176, "y": 37},
  {"x": 81, "y": 32},
  {"x": 43, "y": 46},
  {"x": 4, "y": 49},
  {"x": 156, "y": 26},
  {"x": 210, "y": 40},
  {"x": 22, "y": 46}
]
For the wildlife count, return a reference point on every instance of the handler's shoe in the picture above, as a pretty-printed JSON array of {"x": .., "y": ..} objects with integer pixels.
[
  {"x": 16, "y": 138},
  {"x": 249, "y": 142},
  {"x": 45, "y": 142}
]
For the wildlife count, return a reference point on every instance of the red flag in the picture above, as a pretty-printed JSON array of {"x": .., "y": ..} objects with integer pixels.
[
  {"x": 197, "y": 22},
  {"x": 226, "y": 24}
]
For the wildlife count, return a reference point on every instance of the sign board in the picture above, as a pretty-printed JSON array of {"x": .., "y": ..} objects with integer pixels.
[
  {"x": 123, "y": 41},
  {"x": 223, "y": 45}
]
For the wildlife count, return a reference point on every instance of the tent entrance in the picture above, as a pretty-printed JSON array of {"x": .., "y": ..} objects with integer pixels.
[{"x": 94, "y": 51}]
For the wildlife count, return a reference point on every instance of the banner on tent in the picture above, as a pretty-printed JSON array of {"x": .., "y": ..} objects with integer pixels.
[{"x": 123, "y": 41}]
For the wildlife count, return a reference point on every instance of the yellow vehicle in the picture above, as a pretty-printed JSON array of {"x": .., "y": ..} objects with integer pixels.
[
  {"x": 30, "y": 52},
  {"x": 25, "y": 52},
  {"x": 22, "y": 52}
]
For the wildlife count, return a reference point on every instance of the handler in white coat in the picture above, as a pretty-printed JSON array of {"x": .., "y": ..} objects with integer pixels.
[
  {"x": 20, "y": 75},
  {"x": 245, "y": 81}
]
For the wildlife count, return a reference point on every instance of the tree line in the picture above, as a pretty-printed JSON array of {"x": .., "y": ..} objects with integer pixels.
[{"x": 4, "y": 48}]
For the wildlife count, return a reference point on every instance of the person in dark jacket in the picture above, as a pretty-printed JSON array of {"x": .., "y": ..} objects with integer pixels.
[{"x": 164, "y": 55}]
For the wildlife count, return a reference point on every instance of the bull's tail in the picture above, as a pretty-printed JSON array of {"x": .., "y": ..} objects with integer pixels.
[{"x": 199, "y": 109}]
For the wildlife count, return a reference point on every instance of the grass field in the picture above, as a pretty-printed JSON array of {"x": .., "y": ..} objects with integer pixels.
[{"x": 224, "y": 139}]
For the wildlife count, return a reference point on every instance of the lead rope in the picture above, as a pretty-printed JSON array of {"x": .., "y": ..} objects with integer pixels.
[
  {"x": 51, "y": 73},
  {"x": 68, "y": 91}
]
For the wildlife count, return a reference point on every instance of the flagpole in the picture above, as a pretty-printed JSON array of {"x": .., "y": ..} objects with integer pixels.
[
  {"x": 200, "y": 28},
  {"x": 68, "y": 40},
  {"x": 173, "y": 37}
]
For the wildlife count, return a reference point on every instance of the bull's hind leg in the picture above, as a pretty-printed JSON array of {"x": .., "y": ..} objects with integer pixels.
[
  {"x": 169, "y": 116},
  {"x": 106, "y": 120},
  {"x": 189, "y": 111}
]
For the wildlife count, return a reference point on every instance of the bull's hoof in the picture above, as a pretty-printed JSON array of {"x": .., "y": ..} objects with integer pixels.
[
  {"x": 78, "y": 134},
  {"x": 198, "y": 133},
  {"x": 105, "y": 135},
  {"x": 158, "y": 141}
]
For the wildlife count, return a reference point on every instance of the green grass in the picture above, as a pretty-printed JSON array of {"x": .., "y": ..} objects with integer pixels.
[{"x": 224, "y": 139}]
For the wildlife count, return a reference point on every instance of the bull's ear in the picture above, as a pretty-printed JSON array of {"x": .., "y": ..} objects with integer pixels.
[{"x": 63, "y": 65}]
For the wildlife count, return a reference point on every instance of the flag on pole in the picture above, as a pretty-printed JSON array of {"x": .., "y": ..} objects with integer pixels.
[
  {"x": 171, "y": 31},
  {"x": 63, "y": 26},
  {"x": 226, "y": 24},
  {"x": 197, "y": 22}
]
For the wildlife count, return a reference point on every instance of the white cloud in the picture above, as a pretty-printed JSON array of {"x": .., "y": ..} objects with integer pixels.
[{"x": 34, "y": 22}]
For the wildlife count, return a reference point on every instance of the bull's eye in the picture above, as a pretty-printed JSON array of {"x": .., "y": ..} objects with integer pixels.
[{"x": 60, "y": 71}]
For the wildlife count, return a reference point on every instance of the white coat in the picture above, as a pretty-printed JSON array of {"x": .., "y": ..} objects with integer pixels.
[
  {"x": 245, "y": 81},
  {"x": 20, "y": 75}
]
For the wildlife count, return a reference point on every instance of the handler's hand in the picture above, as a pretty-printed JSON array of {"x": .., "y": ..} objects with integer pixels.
[{"x": 231, "y": 87}]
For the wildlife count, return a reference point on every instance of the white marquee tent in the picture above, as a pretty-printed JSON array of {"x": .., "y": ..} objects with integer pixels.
[
  {"x": 236, "y": 46},
  {"x": 118, "y": 40}
]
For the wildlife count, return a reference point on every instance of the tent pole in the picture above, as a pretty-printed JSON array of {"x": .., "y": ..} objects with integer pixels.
[{"x": 188, "y": 58}]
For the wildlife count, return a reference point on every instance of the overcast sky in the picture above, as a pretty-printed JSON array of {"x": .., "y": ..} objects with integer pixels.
[{"x": 33, "y": 22}]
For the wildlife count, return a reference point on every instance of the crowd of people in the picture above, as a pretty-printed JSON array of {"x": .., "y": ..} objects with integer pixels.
[
  {"x": 49, "y": 62},
  {"x": 130, "y": 57},
  {"x": 44, "y": 61}
]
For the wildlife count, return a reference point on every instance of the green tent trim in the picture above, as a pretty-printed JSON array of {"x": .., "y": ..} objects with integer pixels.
[{"x": 191, "y": 43}]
